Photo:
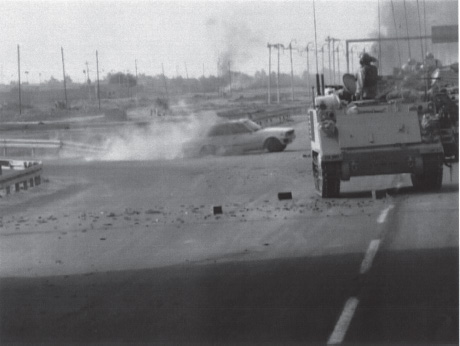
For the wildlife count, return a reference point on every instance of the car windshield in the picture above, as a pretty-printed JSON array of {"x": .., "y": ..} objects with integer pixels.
[{"x": 252, "y": 125}]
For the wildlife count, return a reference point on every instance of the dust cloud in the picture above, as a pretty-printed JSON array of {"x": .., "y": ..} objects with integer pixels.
[{"x": 163, "y": 139}]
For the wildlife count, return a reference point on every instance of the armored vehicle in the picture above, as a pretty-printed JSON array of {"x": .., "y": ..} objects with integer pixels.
[{"x": 366, "y": 138}]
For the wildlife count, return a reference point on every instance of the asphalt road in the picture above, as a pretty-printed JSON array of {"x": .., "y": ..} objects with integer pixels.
[{"x": 132, "y": 252}]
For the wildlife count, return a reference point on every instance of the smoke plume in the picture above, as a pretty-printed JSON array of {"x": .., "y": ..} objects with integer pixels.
[{"x": 233, "y": 41}]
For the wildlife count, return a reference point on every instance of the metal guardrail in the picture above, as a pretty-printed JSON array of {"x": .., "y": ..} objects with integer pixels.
[
  {"x": 34, "y": 144},
  {"x": 16, "y": 173},
  {"x": 265, "y": 117}
]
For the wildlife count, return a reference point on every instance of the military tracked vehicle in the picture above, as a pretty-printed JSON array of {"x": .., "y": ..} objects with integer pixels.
[{"x": 366, "y": 138}]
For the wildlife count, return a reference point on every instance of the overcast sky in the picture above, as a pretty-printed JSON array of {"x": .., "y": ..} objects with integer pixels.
[{"x": 177, "y": 34}]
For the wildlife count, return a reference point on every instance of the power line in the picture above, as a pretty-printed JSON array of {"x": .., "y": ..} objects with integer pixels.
[
  {"x": 63, "y": 72},
  {"x": 396, "y": 31},
  {"x": 420, "y": 29},
  {"x": 407, "y": 29}
]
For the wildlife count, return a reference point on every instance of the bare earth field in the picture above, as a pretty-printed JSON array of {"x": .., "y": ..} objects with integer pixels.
[{"x": 131, "y": 251}]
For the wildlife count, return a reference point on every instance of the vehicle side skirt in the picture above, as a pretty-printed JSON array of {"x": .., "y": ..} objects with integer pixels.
[{"x": 394, "y": 160}]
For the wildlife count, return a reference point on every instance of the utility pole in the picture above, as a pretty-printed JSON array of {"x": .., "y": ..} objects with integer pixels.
[
  {"x": 63, "y": 71},
  {"x": 203, "y": 84},
  {"x": 328, "y": 40},
  {"x": 316, "y": 53},
  {"x": 338, "y": 60},
  {"x": 278, "y": 77},
  {"x": 277, "y": 46},
  {"x": 333, "y": 62},
  {"x": 269, "y": 72},
  {"x": 292, "y": 73},
  {"x": 217, "y": 79},
  {"x": 333, "y": 55},
  {"x": 87, "y": 73},
  {"x": 19, "y": 80},
  {"x": 88, "y": 81},
  {"x": 351, "y": 54},
  {"x": 322, "y": 57},
  {"x": 186, "y": 74},
  {"x": 98, "y": 87},
  {"x": 308, "y": 66},
  {"x": 164, "y": 80},
  {"x": 136, "y": 87},
  {"x": 230, "y": 78}
]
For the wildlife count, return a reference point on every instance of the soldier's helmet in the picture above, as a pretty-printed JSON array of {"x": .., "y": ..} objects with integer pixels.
[{"x": 365, "y": 59}]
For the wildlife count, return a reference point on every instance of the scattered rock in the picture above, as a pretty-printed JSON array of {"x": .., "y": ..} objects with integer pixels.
[{"x": 152, "y": 211}]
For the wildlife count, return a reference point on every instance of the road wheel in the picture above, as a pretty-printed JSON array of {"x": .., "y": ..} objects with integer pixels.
[
  {"x": 327, "y": 178},
  {"x": 274, "y": 145},
  {"x": 207, "y": 150},
  {"x": 431, "y": 178}
]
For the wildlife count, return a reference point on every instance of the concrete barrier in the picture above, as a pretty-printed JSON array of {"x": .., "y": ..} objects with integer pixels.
[
  {"x": 16, "y": 173},
  {"x": 54, "y": 146}
]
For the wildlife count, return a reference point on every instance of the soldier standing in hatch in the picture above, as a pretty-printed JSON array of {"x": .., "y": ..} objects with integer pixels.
[{"x": 367, "y": 76}]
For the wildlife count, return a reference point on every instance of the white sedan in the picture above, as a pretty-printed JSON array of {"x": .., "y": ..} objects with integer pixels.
[{"x": 237, "y": 136}]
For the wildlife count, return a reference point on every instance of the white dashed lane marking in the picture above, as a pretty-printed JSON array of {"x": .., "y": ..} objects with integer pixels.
[
  {"x": 341, "y": 327},
  {"x": 344, "y": 321},
  {"x": 383, "y": 215},
  {"x": 370, "y": 254}
]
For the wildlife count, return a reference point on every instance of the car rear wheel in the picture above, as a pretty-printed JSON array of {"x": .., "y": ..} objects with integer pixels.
[
  {"x": 274, "y": 145},
  {"x": 207, "y": 150}
]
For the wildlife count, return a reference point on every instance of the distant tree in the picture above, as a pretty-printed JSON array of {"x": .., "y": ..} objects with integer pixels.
[
  {"x": 120, "y": 78},
  {"x": 53, "y": 82}
]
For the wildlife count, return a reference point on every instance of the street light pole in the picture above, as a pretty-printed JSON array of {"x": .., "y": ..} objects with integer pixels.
[
  {"x": 308, "y": 66},
  {"x": 97, "y": 74},
  {"x": 328, "y": 40},
  {"x": 230, "y": 78},
  {"x": 63, "y": 71},
  {"x": 269, "y": 72},
  {"x": 164, "y": 80},
  {"x": 338, "y": 59},
  {"x": 333, "y": 61},
  {"x": 292, "y": 72},
  {"x": 351, "y": 52},
  {"x": 333, "y": 56},
  {"x": 19, "y": 81},
  {"x": 278, "y": 76}
]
